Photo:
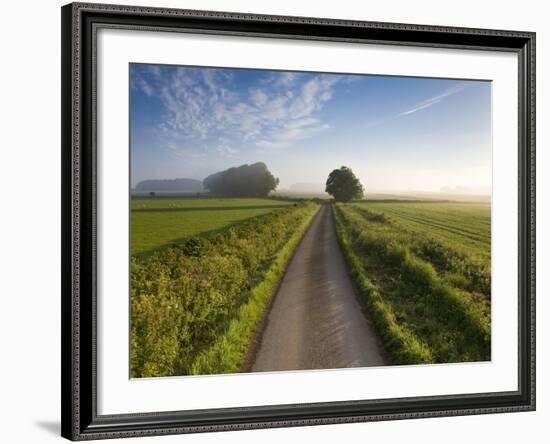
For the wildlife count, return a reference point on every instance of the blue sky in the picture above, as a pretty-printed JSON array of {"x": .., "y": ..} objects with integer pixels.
[{"x": 396, "y": 133}]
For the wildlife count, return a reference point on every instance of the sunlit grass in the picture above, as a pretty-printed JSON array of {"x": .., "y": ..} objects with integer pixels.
[
  {"x": 158, "y": 223},
  {"x": 427, "y": 289}
]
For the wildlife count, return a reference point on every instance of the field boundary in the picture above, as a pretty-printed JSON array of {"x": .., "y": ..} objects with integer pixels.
[{"x": 393, "y": 337}]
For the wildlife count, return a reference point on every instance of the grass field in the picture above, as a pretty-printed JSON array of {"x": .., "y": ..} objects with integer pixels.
[
  {"x": 466, "y": 226},
  {"x": 423, "y": 273},
  {"x": 161, "y": 222}
]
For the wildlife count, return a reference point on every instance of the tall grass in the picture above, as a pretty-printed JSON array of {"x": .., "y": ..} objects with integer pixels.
[
  {"x": 420, "y": 315},
  {"x": 195, "y": 307}
]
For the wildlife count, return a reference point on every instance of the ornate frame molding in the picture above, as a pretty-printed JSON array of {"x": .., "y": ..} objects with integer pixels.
[{"x": 79, "y": 395}]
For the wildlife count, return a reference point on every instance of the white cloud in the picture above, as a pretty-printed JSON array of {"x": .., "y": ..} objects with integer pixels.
[
  {"x": 293, "y": 131},
  {"x": 206, "y": 105},
  {"x": 285, "y": 78},
  {"x": 183, "y": 152},
  {"x": 142, "y": 84},
  {"x": 259, "y": 98},
  {"x": 154, "y": 70},
  {"x": 226, "y": 150},
  {"x": 271, "y": 144}
]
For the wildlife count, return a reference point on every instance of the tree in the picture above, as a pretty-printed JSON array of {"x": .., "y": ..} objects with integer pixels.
[
  {"x": 244, "y": 181},
  {"x": 343, "y": 185}
]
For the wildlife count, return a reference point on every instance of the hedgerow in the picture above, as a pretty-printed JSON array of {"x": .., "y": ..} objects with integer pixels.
[{"x": 209, "y": 293}]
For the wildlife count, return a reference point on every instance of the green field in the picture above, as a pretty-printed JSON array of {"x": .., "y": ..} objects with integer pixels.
[
  {"x": 423, "y": 273},
  {"x": 204, "y": 272},
  {"x": 466, "y": 226},
  {"x": 161, "y": 222}
]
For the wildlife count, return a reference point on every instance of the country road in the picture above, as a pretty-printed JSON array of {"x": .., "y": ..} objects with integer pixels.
[{"x": 315, "y": 321}]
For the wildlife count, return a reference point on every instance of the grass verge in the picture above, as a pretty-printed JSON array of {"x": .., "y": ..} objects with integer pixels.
[{"x": 420, "y": 318}]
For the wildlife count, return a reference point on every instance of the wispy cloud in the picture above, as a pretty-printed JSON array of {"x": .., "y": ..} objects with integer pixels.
[
  {"x": 424, "y": 104},
  {"x": 139, "y": 83},
  {"x": 292, "y": 131},
  {"x": 204, "y": 105},
  {"x": 435, "y": 99},
  {"x": 146, "y": 88}
]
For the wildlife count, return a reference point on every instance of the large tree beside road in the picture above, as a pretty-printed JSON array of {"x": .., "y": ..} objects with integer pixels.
[{"x": 343, "y": 185}]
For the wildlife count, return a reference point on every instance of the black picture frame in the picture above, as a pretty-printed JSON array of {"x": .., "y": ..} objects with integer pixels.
[{"x": 80, "y": 420}]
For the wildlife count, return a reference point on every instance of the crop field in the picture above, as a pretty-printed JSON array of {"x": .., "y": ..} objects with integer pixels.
[
  {"x": 161, "y": 222},
  {"x": 464, "y": 225},
  {"x": 196, "y": 305},
  {"x": 423, "y": 272}
]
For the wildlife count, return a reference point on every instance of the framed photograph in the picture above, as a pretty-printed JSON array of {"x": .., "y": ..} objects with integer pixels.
[{"x": 280, "y": 221}]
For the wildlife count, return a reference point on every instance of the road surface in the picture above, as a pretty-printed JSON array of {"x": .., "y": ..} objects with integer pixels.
[{"x": 315, "y": 321}]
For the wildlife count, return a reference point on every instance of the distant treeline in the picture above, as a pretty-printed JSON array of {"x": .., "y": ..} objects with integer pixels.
[
  {"x": 244, "y": 181},
  {"x": 170, "y": 185},
  {"x": 416, "y": 201}
]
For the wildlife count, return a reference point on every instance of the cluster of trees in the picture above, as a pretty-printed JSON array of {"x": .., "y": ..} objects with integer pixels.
[{"x": 253, "y": 180}]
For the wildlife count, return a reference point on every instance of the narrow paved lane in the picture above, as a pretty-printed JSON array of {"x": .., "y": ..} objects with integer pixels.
[{"x": 315, "y": 321}]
